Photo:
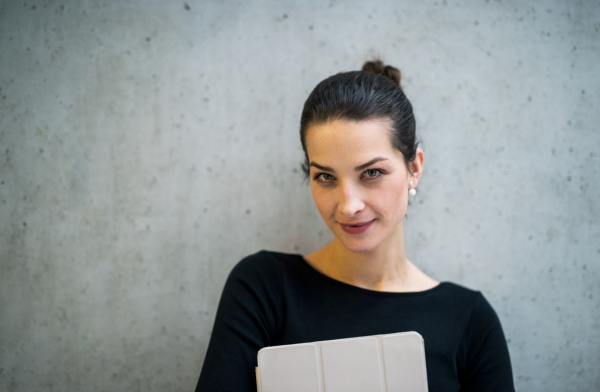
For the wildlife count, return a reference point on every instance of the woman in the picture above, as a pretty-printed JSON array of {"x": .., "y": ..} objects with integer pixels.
[{"x": 358, "y": 134}]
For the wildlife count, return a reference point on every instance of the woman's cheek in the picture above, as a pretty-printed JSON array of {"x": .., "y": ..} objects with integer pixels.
[{"x": 322, "y": 201}]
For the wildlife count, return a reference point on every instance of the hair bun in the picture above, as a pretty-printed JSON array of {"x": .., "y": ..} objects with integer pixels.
[{"x": 377, "y": 67}]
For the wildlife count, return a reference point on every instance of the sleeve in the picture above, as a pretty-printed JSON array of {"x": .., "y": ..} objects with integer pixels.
[
  {"x": 246, "y": 318},
  {"x": 486, "y": 365}
]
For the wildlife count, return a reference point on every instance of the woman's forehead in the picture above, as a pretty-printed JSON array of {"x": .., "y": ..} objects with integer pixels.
[
  {"x": 350, "y": 134},
  {"x": 349, "y": 141}
]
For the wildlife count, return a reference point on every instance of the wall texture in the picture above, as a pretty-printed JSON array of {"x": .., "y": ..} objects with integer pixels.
[{"x": 146, "y": 146}]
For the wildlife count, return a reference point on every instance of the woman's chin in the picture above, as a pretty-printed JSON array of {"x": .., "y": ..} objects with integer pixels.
[{"x": 357, "y": 245}]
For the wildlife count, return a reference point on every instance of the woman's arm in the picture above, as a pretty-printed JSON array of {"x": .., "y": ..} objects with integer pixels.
[
  {"x": 486, "y": 362},
  {"x": 247, "y": 316}
]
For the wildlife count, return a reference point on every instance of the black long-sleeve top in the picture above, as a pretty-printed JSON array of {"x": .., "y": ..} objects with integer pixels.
[{"x": 273, "y": 298}]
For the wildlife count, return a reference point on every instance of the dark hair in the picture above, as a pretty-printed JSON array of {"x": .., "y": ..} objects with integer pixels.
[{"x": 373, "y": 93}]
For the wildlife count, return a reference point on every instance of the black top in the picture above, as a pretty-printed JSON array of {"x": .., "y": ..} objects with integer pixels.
[{"x": 272, "y": 299}]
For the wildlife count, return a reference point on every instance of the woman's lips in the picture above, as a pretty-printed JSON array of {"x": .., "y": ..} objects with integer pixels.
[{"x": 356, "y": 228}]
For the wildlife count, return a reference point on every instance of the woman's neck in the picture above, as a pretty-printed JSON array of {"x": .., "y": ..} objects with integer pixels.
[{"x": 383, "y": 269}]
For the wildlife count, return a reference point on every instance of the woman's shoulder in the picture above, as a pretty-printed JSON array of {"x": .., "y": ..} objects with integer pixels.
[
  {"x": 470, "y": 301},
  {"x": 473, "y": 302},
  {"x": 266, "y": 259},
  {"x": 264, "y": 264},
  {"x": 457, "y": 290},
  {"x": 257, "y": 278}
]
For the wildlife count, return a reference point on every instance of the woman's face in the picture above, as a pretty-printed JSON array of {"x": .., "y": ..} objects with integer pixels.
[{"x": 360, "y": 182}]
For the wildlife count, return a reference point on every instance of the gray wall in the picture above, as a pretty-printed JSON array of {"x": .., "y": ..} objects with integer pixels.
[{"x": 145, "y": 147}]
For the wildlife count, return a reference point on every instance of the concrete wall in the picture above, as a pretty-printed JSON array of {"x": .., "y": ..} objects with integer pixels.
[{"x": 146, "y": 146}]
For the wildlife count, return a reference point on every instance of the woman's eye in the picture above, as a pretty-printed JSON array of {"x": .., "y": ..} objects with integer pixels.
[
  {"x": 324, "y": 177},
  {"x": 371, "y": 173}
]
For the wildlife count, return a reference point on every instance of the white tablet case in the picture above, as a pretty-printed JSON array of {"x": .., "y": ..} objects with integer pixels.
[{"x": 386, "y": 363}]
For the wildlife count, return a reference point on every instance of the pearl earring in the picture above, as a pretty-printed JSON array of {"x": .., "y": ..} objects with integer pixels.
[{"x": 411, "y": 191}]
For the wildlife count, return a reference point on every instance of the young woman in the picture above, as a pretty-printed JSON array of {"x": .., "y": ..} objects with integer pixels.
[{"x": 358, "y": 134}]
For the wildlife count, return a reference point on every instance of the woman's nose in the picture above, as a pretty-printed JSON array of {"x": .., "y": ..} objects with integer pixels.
[{"x": 350, "y": 200}]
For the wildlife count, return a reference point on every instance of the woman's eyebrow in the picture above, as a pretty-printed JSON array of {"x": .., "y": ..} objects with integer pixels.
[
  {"x": 324, "y": 168},
  {"x": 372, "y": 161}
]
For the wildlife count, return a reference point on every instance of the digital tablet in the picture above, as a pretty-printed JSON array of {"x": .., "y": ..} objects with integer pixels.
[{"x": 386, "y": 363}]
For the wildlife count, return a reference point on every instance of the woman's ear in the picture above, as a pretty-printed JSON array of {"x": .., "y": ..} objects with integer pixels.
[{"x": 416, "y": 167}]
